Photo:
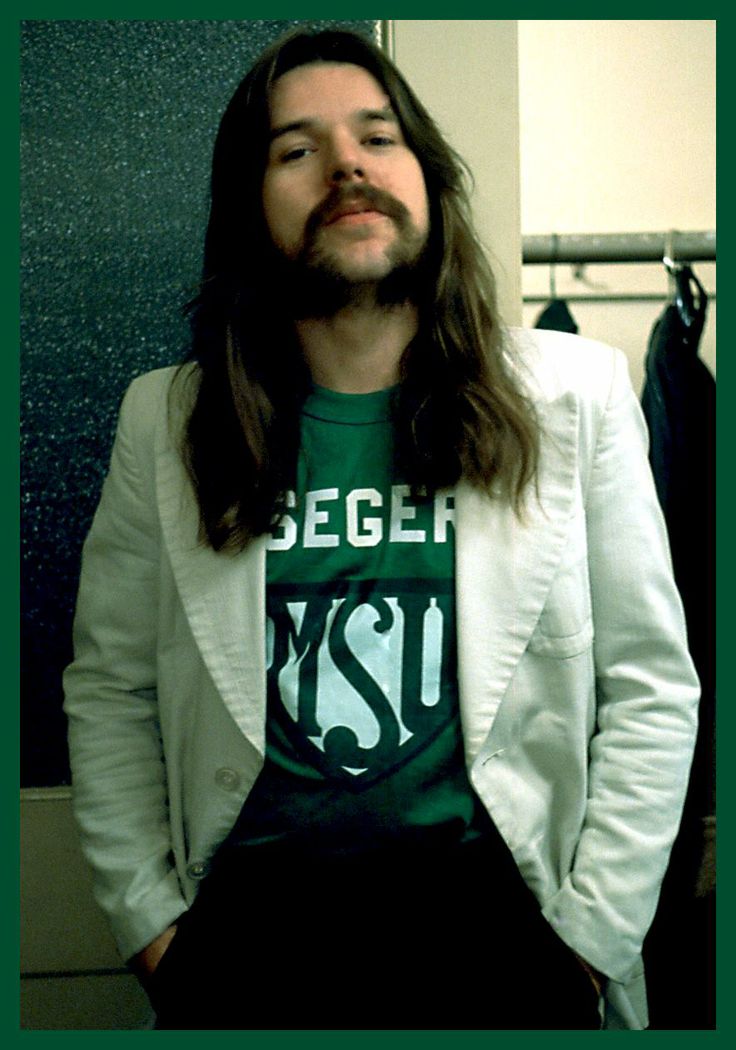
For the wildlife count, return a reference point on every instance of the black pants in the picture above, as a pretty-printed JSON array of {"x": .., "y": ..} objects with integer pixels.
[{"x": 410, "y": 938}]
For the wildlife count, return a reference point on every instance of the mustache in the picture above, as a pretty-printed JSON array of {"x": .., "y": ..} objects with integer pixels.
[{"x": 340, "y": 196}]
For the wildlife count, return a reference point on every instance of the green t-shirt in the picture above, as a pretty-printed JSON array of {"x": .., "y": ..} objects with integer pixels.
[{"x": 363, "y": 730}]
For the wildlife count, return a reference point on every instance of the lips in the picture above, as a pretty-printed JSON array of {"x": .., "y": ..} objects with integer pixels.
[{"x": 359, "y": 207}]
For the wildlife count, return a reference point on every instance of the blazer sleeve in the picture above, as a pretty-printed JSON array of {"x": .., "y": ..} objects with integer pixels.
[
  {"x": 118, "y": 772},
  {"x": 647, "y": 696}
]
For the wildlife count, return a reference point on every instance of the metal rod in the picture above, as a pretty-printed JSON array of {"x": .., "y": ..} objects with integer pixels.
[
  {"x": 550, "y": 248},
  {"x": 614, "y": 297}
]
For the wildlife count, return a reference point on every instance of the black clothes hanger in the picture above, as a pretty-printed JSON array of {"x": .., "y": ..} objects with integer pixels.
[
  {"x": 690, "y": 300},
  {"x": 556, "y": 314}
]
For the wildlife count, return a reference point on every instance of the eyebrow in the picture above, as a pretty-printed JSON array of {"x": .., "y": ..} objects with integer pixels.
[{"x": 364, "y": 116}]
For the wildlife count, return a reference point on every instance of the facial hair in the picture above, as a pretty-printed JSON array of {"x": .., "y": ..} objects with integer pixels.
[{"x": 313, "y": 283}]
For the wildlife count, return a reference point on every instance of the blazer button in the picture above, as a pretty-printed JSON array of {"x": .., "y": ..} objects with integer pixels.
[
  {"x": 198, "y": 869},
  {"x": 227, "y": 779}
]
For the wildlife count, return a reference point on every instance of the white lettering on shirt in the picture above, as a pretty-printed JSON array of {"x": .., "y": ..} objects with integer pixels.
[
  {"x": 314, "y": 517},
  {"x": 444, "y": 514},
  {"x": 361, "y": 528},
  {"x": 400, "y": 513},
  {"x": 369, "y": 531},
  {"x": 287, "y": 527}
]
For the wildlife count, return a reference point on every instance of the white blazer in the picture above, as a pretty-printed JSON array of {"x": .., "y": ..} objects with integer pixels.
[{"x": 578, "y": 697}]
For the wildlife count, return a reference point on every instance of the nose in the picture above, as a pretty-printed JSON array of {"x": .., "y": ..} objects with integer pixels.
[
  {"x": 347, "y": 174},
  {"x": 344, "y": 162}
]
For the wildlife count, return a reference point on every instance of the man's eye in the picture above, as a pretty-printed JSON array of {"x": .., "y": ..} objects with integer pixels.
[{"x": 295, "y": 154}]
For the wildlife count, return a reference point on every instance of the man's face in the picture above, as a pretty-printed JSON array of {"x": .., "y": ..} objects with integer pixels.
[{"x": 342, "y": 191}]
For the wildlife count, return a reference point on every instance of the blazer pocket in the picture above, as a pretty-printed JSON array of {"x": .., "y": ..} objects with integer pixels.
[
  {"x": 565, "y": 626},
  {"x": 563, "y": 646}
]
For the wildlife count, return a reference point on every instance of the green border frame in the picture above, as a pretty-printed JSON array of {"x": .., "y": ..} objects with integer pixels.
[{"x": 9, "y": 980}]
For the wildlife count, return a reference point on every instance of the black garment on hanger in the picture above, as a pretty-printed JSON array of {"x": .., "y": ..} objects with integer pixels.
[
  {"x": 556, "y": 316},
  {"x": 678, "y": 400}
]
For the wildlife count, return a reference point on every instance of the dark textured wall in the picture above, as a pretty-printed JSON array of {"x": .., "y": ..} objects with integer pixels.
[{"x": 118, "y": 119}]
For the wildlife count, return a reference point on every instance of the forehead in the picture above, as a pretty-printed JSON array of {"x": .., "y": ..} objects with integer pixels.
[{"x": 325, "y": 91}]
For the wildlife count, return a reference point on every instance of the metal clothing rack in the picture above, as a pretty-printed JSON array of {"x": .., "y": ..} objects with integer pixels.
[
  {"x": 679, "y": 246},
  {"x": 579, "y": 249}
]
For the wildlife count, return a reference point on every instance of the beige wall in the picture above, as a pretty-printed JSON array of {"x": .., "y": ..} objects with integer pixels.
[
  {"x": 466, "y": 73},
  {"x": 617, "y": 135}
]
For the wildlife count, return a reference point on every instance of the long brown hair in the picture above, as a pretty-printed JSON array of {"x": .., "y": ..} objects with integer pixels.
[{"x": 458, "y": 412}]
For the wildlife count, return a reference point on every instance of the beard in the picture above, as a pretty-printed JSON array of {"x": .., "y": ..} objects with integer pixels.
[{"x": 316, "y": 283}]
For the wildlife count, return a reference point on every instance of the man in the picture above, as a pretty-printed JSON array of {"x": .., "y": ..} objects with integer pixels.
[{"x": 381, "y": 713}]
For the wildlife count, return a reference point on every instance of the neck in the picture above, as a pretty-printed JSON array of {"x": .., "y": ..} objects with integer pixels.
[{"x": 358, "y": 350}]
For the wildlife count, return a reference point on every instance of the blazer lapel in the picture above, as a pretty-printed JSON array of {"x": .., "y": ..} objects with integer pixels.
[
  {"x": 224, "y": 599},
  {"x": 504, "y": 569}
]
